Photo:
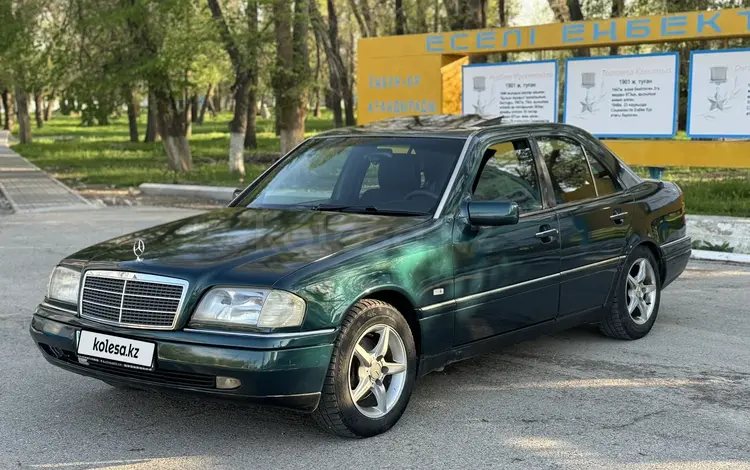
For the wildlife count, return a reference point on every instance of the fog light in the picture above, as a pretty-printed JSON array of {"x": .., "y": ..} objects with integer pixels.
[{"x": 227, "y": 383}]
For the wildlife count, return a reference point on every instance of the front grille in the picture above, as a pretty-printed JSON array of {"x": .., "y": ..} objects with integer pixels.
[{"x": 132, "y": 299}]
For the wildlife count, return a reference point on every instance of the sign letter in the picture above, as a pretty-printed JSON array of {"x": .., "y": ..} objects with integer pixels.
[
  {"x": 611, "y": 33},
  {"x": 435, "y": 43},
  {"x": 485, "y": 40},
  {"x": 747, "y": 15},
  {"x": 456, "y": 47},
  {"x": 669, "y": 22},
  {"x": 702, "y": 22},
  {"x": 636, "y": 29},
  {"x": 573, "y": 29}
]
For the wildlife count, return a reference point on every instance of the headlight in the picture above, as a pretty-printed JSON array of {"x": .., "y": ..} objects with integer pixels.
[
  {"x": 63, "y": 285},
  {"x": 240, "y": 307}
]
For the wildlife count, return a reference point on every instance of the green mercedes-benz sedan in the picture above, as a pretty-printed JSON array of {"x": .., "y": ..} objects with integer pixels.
[{"x": 365, "y": 259}]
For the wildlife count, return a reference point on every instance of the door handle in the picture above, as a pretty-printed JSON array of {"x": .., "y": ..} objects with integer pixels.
[
  {"x": 547, "y": 235},
  {"x": 618, "y": 216}
]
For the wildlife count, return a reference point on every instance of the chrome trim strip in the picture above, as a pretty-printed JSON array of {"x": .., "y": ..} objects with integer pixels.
[
  {"x": 525, "y": 283},
  {"x": 454, "y": 176},
  {"x": 593, "y": 265},
  {"x": 298, "y": 334},
  {"x": 686, "y": 237},
  {"x": 437, "y": 305},
  {"x": 506, "y": 288},
  {"x": 61, "y": 309},
  {"x": 131, "y": 276}
]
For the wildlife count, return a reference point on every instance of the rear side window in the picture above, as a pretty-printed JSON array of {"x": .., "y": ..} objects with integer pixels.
[
  {"x": 568, "y": 169},
  {"x": 508, "y": 173},
  {"x": 605, "y": 184}
]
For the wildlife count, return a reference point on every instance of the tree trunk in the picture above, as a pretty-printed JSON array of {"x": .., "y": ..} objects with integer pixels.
[
  {"x": 194, "y": 105},
  {"x": 10, "y": 112},
  {"x": 50, "y": 105},
  {"x": 316, "y": 88},
  {"x": 127, "y": 93},
  {"x": 238, "y": 125},
  {"x": 38, "y": 110},
  {"x": 172, "y": 128},
  {"x": 421, "y": 26},
  {"x": 347, "y": 83},
  {"x": 151, "y": 121},
  {"x": 217, "y": 100},
  {"x": 400, "y": 18},
  {"x": 251, "y": 132},
  {"x": 187, "y": 111},
  {"x": 566, "y": 11},
  {"x": 24, "y": 120},
  {"x": 204, "y": 106},
  {"x": 618, "y": 8},
  {"x": 502, "y": 19},
  {"x": 291, "y": 70}
]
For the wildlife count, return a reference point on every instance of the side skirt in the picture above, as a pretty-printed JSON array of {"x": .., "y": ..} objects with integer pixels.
[{"x": 493, "y": 344}]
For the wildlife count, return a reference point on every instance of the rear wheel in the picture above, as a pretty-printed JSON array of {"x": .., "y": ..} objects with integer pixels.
[
  {"x": 371, "y": 374},
  {"x": 635, "y": 302}
]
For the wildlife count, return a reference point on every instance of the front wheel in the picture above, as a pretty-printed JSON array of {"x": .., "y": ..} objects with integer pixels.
[
  {"x": 635, "y": 302},
  {"x": 371, "y": 374}
]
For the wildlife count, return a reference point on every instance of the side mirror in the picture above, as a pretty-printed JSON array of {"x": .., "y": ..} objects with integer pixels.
[
  {"x": 492, "y": 213},
  {"x": 236, "y": 193}
]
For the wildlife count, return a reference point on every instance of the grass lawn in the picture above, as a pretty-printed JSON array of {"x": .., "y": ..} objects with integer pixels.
[
  {"x": 102, "y": 156},
  {"x": 712, "y": 191}
]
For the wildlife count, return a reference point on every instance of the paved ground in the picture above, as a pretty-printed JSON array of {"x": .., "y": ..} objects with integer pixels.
[
  {"x": 27, "y": 188},
  {"x": 679, "y": 398}
]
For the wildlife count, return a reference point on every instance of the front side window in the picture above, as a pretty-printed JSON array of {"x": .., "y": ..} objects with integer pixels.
[
  {"x": 508, "y": 173},
  {"x": 361, "y": 174},
  {"x": 568, "y": 169}
]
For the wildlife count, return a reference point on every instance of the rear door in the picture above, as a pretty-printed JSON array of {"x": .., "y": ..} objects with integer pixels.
[
  {"x": 595, "y": 217},
  {"x": 506, "y": 277}
]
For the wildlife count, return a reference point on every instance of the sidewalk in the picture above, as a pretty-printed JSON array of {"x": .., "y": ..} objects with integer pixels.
[{"x": 29, "y": 189}]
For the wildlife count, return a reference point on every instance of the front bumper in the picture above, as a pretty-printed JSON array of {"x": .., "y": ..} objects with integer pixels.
[{"x": 278, "y": 371}]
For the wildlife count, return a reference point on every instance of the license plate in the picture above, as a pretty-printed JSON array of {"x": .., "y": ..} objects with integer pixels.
[{"x": 116, "y": 349}]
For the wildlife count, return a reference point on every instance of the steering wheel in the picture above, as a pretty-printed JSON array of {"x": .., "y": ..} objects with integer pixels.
[{"x": 421, "y": 192}]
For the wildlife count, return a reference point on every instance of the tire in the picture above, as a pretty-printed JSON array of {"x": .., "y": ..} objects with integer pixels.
[
  {"x": 382, "y": 393},
  {"x": 622, "y": 322}
]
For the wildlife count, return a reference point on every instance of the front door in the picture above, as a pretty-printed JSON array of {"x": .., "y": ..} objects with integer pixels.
[
  {"x": 594, "y": 215},
  {"x": 506, "y": 277}
]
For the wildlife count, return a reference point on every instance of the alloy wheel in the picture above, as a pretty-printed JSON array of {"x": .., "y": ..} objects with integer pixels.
[
  {"x": 640, "y": 289},
  {"x": 377, "y": 372}
]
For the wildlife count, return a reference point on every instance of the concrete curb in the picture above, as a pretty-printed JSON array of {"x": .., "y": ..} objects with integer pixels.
[
  {"x": 215, "y": 193},
  {"x": 704, "y": 255},
  {"x": 717, "y": 230}
]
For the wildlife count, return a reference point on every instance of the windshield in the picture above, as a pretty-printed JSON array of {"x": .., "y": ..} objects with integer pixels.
[{"x": 361, "y": 174}]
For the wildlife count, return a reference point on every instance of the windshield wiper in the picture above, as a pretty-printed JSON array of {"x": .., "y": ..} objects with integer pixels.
[{"x": 363, "y": 209}]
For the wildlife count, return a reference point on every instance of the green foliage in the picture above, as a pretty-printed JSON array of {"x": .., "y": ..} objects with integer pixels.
[
  {"x": 704, "y": 245},
  {"x": 102, "y": 155}
]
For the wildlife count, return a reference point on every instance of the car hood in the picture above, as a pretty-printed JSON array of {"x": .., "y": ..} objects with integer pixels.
[{"x": 232, "y": 243}]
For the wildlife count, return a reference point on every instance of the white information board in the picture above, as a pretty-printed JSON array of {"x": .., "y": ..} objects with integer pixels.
[
  {"x": 623, "y": 96},
  {"x": 719, "y": 94},
  {"x": 517, "y": 91}
]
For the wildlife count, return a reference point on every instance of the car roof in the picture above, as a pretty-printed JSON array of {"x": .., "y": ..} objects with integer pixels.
[{"x": 442, "y": 126}]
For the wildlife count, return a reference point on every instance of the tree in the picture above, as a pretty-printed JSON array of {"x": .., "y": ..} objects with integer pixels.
[
  {"x": 9, "y": 108},
  {"x": 400, "y": 18},
  {"x": 618, "y": 8},
  {"x": 291, "y": 74},
  {"x": 565, "y": 12},
  {"x": 241, "y": 48}
]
